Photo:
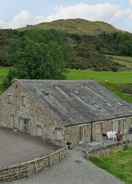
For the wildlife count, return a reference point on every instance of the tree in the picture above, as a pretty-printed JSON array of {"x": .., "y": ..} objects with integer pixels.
[{"x": 38, "y": 55}]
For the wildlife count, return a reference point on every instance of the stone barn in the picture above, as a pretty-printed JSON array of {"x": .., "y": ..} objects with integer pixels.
[{"x": 64, "y": 112}]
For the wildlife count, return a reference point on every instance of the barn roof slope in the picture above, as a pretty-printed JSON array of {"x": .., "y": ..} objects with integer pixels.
[{"x": 78, "y": 102}]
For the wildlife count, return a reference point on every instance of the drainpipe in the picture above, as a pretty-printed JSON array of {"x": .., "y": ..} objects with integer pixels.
[{"x": 91, "y": 138}]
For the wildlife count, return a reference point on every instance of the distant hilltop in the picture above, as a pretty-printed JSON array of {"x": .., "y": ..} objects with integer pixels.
[
  {"x": 81, "y": 26},
  {"x": 93, "y": 45}
]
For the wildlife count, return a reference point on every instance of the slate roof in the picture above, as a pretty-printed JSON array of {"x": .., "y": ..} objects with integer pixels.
[{"x": 78, "y": 102}]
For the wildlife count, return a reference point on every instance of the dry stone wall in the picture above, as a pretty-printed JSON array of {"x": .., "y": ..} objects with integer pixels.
[
  {"x": 31, "y": 167},
  {"x": 107, "y": 150},
  {"x": 18, "y": 105}
]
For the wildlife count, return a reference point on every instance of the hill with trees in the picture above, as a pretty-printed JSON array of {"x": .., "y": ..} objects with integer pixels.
[
  {"x": 92, "y": 45},
  {"x": 37, "y": 55},
  {"x": 76, "y": 26}
]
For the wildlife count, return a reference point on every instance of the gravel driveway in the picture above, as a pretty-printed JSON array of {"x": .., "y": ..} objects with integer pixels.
[{"x": 73, "y": 170}]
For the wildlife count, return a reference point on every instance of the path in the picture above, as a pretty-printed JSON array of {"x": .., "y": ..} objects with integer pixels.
[{"x": 73, "y": 170}]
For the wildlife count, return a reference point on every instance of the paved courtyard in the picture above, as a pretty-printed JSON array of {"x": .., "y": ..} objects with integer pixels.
[
  {"x": 73, "y": 170},
  {"x": 16, "y": 147}
]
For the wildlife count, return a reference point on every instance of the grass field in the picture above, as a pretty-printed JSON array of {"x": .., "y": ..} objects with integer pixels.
[
  {"x": 119, "y": 163},
  {"x": 3, "y": 74},
  {"x": 114, "y": 81},
  {"x": 113, "y": 77}
]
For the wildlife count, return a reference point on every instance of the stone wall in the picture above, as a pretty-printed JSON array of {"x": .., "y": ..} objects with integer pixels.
[
  {"x": 26, "y": 169},
  {"x": 106, "y": 151},
  {"x": 76, "y": 134},
  {"x": 18, "y": 105}
]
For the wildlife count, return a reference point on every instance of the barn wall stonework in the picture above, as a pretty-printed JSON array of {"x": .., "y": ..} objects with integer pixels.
[
  {"x": 20, "y": 111},
  {"x": 76, "y": 134},
  {"x": 79, "y": 133},
  {"x": 18, "y": 107}
]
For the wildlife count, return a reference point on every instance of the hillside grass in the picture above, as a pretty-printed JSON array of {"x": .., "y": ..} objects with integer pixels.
[
  {"x": 119, "y": 163},
  {"x": 123, "y": 60},
  {"x": 3, "y": 74},
  {"x": 112, "y": 77},
  {"x": 114, "y": 81},
  {"x": 76, "y": 26},
  {"x": 119, "y": 90},
  {"x": 88, "y": 41}
]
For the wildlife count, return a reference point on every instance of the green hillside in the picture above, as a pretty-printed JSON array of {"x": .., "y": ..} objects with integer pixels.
[
  {"x": 3, "y": 75},
  {"x": 109, "y": 77},
  {"x": 118, "y": 82},
  {"x": 79, "y": 26},
  {"x": 96, "y": 51},
  {"x": 123, "y": 60},
  {"x": 92, "y": 45}
]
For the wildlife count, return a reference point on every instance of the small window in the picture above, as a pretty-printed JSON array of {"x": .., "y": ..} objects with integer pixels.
[
  {"x": 12, "y": 119},
  {"x": 130, "y": 130},
  {"x": 119, "y": 124},
  {"x": 46, "y": 93},
  {"x": 9, "y": 99},
  {"x": 23, "y": 100}
]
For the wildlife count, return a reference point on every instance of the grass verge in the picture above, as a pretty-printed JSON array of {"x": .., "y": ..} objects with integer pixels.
[{"x": 119, "y": 163}]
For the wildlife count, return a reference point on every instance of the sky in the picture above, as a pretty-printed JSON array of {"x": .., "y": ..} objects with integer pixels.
[{"x": 19, "y": 13}]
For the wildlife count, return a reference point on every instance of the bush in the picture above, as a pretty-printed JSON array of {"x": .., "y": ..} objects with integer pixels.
[{"x": 38, "y": 55}]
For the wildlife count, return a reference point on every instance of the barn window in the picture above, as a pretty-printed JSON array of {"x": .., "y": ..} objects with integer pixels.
[
  {"x": 46, "y": 93},
  {"x": 123, "y": 121},
  {"x": 12, "y": 119},
  {"x": 119, "y": 124},
  {"x": 25, "y": 124},
  {"x": 9, "y": 98},
  {"x": 130, "y": 130},
  {"x": 23, "y": 100}
]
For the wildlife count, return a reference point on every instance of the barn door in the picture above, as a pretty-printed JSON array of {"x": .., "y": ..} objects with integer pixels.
[
  {"x": 85, "y": 133},
  {"x": 81, "y": 133},
  {"x": 115, "y": 126},
  {"x": 24, "y": 125}
]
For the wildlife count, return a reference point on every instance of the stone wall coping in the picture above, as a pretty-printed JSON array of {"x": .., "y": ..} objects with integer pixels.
[
  {"x": 112, "y": 146},
  {"x": 33, "y": 160},
  {"x": 104, "y": 147}
]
